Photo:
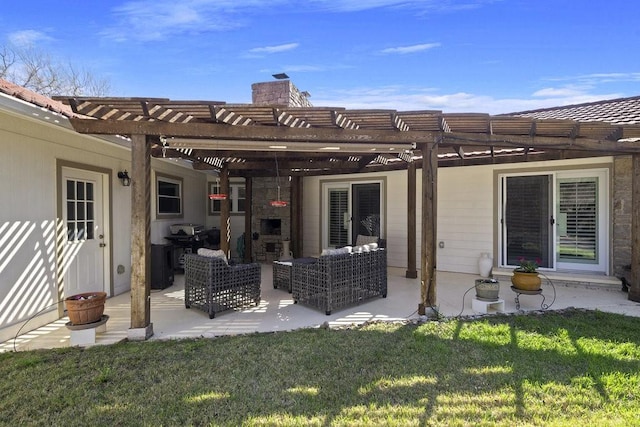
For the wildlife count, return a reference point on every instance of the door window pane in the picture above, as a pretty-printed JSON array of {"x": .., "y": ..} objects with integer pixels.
[
  {"x": 241, "y": 192},
  {"x": 338, "y": 217},
  {"x": 577, "y": 220},
  {"x": 528, "y": 219},
  {"x": 80, "y": 190},
  {"x": 366, "y": 210}
]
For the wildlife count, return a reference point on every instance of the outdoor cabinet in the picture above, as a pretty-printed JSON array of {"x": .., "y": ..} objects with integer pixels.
[{"x": 161, "y": 266}]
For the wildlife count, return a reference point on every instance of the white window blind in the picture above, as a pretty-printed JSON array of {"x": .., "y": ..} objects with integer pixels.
[
  {"x": 338, "y": 223},
  {"x": 577, "y": 221}
]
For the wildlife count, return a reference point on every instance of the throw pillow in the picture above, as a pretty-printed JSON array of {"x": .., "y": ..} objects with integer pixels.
[{"x": 213, "y": 253}]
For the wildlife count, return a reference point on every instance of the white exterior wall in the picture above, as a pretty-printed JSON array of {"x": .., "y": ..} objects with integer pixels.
[
  {"x": 465, "y": 217},
  {"x": 32, "y": 149},
  {"x": 194, "y": 202},
  {"x": 467, "y": 221}
]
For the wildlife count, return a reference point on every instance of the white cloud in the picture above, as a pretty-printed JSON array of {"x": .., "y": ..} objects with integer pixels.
[
  {"x": 274, "y": 49},
  {"x": 410, "y": 49},
  {"x": 152, "y": 20},
  {"x": 402, "y": 98},
  {"x": 599, "y": 78},
  {"x": 420, "y": 5},
  {"x": 558, "y": 92},
  {"x": 27, "y": 37}
]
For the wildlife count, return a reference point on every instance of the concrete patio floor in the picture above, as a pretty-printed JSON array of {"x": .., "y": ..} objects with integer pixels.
[{"x": 277, "y": 312}]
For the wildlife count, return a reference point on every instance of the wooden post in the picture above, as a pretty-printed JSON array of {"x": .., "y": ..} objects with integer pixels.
[
  {"x": 248, "y": 216},
  {"x": 411, "y": 273},
  {"x": 296, "y": 216},
  {"x": 141, "y": 327},
  {"x": 428, "y": 242},
  {"x": 634, "y": 288},
  {"x": 225, "y": 212}
]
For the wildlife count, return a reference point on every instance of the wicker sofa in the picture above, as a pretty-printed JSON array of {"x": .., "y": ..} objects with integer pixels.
[
  {"x": 340, "y": 279},
  {"x": 211, "y": 285}
]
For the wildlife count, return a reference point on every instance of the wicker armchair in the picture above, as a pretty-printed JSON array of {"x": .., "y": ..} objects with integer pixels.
[
  {"x": 339, "y": 280},
  {"x": 213, "y": 286}
]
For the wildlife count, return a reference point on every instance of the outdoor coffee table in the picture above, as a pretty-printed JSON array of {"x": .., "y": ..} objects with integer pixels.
[{"x": 282, "y": 272}]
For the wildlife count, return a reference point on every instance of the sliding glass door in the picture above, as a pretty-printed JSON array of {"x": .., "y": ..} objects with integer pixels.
[
  {"x": 558, "y": 219},
  {"x": 351, "y": 208}
]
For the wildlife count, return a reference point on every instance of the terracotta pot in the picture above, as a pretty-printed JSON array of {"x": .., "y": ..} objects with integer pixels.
[
  {"x": 85, "y": 308},
  {"x": 526, "y": 281}
]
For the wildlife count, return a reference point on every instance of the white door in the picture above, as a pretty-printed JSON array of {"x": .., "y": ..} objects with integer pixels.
[{"x": 85, "y": 251}]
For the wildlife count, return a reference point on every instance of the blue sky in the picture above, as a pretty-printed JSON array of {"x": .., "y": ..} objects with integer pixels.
[{"x": 489, "y": 56}]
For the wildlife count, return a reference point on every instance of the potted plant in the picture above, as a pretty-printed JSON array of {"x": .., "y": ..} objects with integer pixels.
[
  {"x": 85, "y": 308},
  {"x": 525, "y": 276}
]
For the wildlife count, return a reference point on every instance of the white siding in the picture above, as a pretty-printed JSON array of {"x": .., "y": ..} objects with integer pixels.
[
  {"x": 467, "y": 211},
  {"x": 32, "y": 149},
  {"x": 465, "y": 217}
]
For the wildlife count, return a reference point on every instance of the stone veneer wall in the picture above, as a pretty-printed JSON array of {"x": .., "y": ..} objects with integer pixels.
[
  {"x": 621, "y": 216},
  {"x": 280, "y": 92},
  {"x": 268, "y": 248},
  {"x": 263, "y": 191}
]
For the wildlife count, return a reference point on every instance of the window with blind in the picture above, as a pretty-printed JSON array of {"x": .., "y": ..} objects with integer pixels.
[
  {"x": 338, "y": 217},
  {"x": 578, "y": 219}
]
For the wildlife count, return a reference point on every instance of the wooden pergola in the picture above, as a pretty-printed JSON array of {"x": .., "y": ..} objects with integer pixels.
[{"x": 239, "y": 140}]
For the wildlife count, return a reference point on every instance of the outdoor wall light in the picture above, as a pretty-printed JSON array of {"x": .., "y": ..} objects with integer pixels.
[{"x": 124, "y": 177}]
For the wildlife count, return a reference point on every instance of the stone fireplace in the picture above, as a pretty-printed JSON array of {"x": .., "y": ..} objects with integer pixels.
[{"x": 269, "y": 225}]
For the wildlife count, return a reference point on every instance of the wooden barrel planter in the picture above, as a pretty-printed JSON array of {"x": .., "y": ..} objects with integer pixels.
[{"x": 85, "y": 308}]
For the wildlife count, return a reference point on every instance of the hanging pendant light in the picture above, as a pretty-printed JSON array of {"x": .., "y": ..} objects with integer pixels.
[
  {"x": 216, "y": 195},
  {"x": 278, "y": 203}
]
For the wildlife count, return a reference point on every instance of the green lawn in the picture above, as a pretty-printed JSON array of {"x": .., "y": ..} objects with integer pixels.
[{"x": 571, "y": 368}]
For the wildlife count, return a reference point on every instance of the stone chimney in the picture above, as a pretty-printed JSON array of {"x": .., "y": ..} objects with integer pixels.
[{"x": 280, "y": 92}]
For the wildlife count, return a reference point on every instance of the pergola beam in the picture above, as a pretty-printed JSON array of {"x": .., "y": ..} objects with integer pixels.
[
  {"x": 265, "y": 136},
  {"x": 211, "y": 132}
]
